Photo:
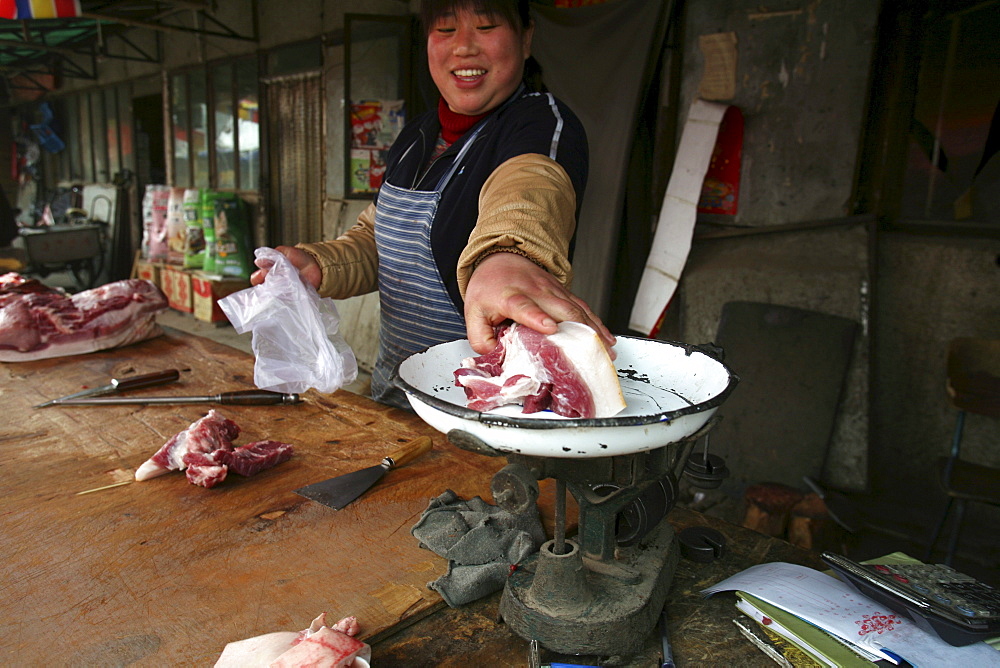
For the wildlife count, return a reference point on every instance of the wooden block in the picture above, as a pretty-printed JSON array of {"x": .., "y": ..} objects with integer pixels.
[
  {"x": 206, "y": 292},
  {"x": 811, "y": 527},
  {"x": 768, "y": 507}
]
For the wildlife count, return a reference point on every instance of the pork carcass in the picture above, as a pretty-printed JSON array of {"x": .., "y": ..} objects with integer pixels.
[
  {"x": 205, "y": 452},
  {"x": 38, "y": 322},
  {"x": 569, "y": 373},
  {"x": 318, "y": 646}
]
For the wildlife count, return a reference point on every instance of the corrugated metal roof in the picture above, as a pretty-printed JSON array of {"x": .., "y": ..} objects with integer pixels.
[{"x": 34, "y": 51}]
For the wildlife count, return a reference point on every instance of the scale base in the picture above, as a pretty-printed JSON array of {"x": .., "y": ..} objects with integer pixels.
[{"x": 574, "y": 605}]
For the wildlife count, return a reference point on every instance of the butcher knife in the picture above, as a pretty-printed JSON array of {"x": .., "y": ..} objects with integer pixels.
[
  {"x": 342, "y": 490},
  {"x": 120, "y": 385},
  {"x": 241, "y": 398}
]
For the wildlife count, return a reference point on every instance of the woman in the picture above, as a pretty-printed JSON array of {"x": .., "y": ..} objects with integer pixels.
[{"x": 474, "y": 221}]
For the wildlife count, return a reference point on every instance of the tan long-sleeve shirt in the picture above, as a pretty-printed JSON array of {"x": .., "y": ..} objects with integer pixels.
[{"x": 527, "y": 206}]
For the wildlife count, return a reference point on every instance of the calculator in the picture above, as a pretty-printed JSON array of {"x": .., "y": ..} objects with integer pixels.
[{"x": 953, "y": 606}]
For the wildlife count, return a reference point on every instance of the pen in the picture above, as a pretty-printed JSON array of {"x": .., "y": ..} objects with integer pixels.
[
  {"x": 534, "y": 656},
  {"x": 668, "y": 654}
]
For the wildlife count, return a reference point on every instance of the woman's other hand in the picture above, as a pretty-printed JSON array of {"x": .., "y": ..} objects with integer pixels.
[
  {"x": 510, "y": 286},
  {"x": 301, "y": 260}
]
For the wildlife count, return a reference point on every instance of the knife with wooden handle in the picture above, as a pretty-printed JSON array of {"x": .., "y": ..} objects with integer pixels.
[
  {"x": 342, "y": 490},
  {"x": 118, "y": 385}
]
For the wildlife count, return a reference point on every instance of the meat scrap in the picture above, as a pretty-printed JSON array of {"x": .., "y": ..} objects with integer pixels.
[
  {"x": 322, "y": 646},
  {"x": 205, "y": 452},
  {"x": 255, "y": 457},
  {"x": 569, "y": 373},
  {"x": 317, "y": 646},
  {"x": 39, "y": 322}
]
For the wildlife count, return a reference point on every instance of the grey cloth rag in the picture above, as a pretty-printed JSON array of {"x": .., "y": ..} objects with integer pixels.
[{"x": 481, "y": 542}]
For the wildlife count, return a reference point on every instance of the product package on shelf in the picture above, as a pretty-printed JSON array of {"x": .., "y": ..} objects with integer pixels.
[
  {"x": 176, "y": 227},
  {"x": 233, "y": 237},
  {"x": 154, "y": 223},
  {"x": 194, "y": 239}
]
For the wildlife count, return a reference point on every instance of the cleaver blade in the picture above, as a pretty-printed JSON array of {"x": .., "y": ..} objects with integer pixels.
[{"x": 340, "y": 491}]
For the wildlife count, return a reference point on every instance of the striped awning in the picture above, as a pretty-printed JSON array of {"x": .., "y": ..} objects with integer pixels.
[{"x": 39, "y": 9}]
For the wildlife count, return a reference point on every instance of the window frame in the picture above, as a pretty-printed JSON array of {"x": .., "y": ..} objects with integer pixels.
[
  {"x": 184, "y": 77},
  {"x": 882, "y": 165}
]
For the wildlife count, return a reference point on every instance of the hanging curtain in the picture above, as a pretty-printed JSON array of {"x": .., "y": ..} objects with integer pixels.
[
  {"x": 295, "y": 149},
  {"x": 600, "y": 60}
]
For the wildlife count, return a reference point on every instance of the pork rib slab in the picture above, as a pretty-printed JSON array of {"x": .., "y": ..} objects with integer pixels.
[{"x": 39, "y": 323}]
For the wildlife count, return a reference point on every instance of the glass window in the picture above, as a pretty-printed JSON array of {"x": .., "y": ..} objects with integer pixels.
[
  {"x": 111, "y": 131},
  {"x": 225, "y": 126},
  {"x": 215, "y": 127},
  {"x": 199, "y": 128},
  {"x": 248, "y": 124},
  {"x": 179, "y": 119},
  {"x": 377, "y": 77},
  {"x": 953, "y": 162}
]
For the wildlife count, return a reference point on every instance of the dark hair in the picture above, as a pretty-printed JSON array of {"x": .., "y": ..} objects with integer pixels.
[{"x": 514, "y": 12}]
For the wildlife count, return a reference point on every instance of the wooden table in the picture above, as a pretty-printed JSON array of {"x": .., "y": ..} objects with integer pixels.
[{"x": 166, "y": 573}]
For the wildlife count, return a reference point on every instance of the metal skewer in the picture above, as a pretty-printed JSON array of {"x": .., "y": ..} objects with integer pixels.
[{"x": 241, "y": 398}]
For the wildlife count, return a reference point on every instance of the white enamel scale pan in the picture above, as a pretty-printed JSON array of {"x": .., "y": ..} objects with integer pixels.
[{"x": 671, "y": 390}]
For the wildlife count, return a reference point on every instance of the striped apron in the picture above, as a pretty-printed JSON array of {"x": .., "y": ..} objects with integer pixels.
[{"x": 416, "y": 310}]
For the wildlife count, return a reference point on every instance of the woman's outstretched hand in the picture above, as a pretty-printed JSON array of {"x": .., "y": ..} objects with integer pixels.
[{"x": 510, "y": 286}]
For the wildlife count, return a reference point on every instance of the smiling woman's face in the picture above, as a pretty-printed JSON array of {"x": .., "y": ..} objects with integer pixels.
[{"x": 476, "y": 61}]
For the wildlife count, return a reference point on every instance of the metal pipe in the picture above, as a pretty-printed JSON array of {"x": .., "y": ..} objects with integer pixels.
[{"x": 559, "y": 542}]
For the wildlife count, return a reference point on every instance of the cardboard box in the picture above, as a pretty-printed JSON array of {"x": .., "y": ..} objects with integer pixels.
[
  {"x": 207, "y": 290},
  {"x": 176, "y": 285},
  {"x": 149, "y": 271}
]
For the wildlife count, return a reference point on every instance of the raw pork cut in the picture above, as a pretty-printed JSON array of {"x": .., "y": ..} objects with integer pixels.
[
  {"x": 204, "y": 451},
  {"x": 318, "y": 646},
  {"x": 569, "y": 373},
  {"x": 38, "y": 322},
  {"x": 255, "y": 457},
  {"x": 210, "y": 433}
]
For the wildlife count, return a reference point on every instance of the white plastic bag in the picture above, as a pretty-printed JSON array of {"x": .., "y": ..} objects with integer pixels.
[{"x": 295, "y": 331}]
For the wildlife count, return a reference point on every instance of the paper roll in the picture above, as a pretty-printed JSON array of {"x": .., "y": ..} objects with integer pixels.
[{"x": 672, "y": 239}]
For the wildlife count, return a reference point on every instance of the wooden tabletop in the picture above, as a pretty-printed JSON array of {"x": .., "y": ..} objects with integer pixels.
[{"x": 164, "y": 572}]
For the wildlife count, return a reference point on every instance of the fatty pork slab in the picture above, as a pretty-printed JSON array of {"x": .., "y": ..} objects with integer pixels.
[
  {"x": 38, "y": 322},
  {"x": 569, "y": 373}
]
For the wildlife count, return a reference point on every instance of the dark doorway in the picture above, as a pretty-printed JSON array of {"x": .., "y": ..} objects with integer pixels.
[{"x": 150, "y": 156}]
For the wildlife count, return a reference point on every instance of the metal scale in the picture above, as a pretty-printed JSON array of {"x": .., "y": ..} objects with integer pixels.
[{"x": 601, "y": 591}]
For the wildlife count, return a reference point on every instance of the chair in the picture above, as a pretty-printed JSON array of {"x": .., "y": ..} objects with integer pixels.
[{"x": 973, "y": 387}]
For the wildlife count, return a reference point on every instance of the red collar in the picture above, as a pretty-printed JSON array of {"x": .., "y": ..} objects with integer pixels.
[{"x": 454, "y": 124}]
